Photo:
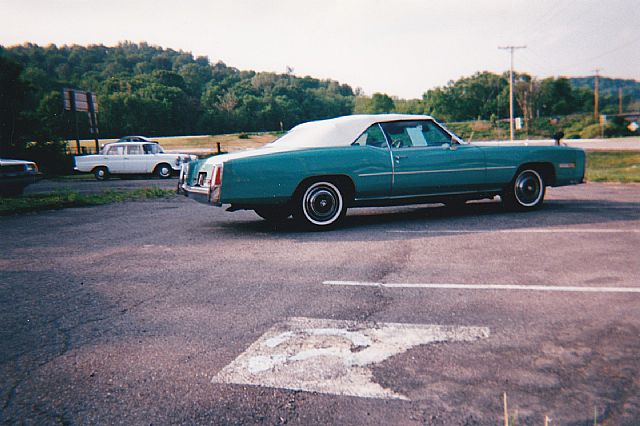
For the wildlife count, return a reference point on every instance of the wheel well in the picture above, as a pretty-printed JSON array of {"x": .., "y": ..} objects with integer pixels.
[
  {"x": 546, "y": 170},
  {"x": 341, "y": 181},
  {"x": 99, "y": 167},
  {"x": 164, "y": 163}
]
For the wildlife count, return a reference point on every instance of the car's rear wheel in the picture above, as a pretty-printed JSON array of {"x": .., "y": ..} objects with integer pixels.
[
  {"x": 164, "y": 171},
  {"x": 526, "y": 191},
  {"x": 273, "y": 214},
  {"x": 101, "y": 173},
  {"x": 320, "y": 204}
]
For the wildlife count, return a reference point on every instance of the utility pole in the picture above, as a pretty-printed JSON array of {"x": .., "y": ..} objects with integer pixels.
[
  {"x": 511, "y": 49},
  {"x": 619, "y": 100},
  {"x": 595, "y": 94}
]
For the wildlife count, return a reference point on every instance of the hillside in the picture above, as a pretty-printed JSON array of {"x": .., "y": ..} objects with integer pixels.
[{"x": 609, "y": 86}]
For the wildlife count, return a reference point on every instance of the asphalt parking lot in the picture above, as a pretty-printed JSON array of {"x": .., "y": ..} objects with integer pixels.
[{"x": 168, "y": 311}]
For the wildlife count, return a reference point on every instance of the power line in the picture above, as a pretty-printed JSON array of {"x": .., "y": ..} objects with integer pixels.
[{"x": 548, "y": 17}]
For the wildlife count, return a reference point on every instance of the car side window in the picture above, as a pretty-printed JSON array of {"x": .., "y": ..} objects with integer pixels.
[
  {"x": 150, "y": 148},
  {"x": 419, "y": 133},
  {"x": 115, "y": 150},
  {"x": 134, "y": 150},
  {"x": 373, "y": 136}
]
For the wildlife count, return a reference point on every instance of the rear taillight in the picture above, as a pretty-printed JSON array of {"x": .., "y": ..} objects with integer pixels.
[
  {"x": 216, "y": 183},
  {"x": 217, "y": 177}
]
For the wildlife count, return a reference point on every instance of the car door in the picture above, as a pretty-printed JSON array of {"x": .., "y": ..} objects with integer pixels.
[
  {"x": 114, "y": 158},
  {"x": 426, "y": 161},
  {"x": 135, "y": 160},
  {"x": 373, "y": 173}
]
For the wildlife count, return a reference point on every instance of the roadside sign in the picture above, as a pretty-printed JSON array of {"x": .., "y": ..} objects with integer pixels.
[
  {"x": 75, "y": 100},
  {"x": 81, "y": 99}
]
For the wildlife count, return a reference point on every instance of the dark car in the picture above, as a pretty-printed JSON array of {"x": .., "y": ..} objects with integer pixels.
[
  {"x": 135, "y": 139},
  {"x": 15, "y": 175}
]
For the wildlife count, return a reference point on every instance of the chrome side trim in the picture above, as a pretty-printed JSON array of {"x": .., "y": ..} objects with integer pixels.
[
  {"x": 375, "y": 174},
  {"x": 438, "y": 194},
  {"x": 418, "y": 172},
  {"x": 502, "y": 168}
]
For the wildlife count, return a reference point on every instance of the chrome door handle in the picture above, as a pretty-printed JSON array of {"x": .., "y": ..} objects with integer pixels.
[{"x": 398, "y": 157}]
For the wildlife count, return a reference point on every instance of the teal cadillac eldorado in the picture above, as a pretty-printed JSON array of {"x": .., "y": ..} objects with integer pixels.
[{"x": 319, "y": 169}]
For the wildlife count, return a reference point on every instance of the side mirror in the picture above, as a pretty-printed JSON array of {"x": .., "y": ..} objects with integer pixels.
[{"x": 450, "y": 146}]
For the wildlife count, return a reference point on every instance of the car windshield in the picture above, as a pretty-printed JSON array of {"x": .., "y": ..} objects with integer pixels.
[{"x": 152, "y": 148}]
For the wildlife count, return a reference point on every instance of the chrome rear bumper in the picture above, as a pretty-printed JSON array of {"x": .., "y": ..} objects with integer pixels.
[{"x": 197, "y": 193}]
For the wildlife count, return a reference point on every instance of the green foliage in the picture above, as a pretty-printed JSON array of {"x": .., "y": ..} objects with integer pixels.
[
  {"x": 469, "y": 98},
  {"x": 591, "y": 131},
  {"x": 381, "y": 103},
  {"x": 59, "y": 200},
  {"x": 144, "y": 89},
  {"x": 377, "y": 104},
  {"x": 14, "y": 104}
]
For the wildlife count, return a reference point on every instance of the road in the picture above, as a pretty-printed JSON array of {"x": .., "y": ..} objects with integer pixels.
[{"x": 169, "y": 311}]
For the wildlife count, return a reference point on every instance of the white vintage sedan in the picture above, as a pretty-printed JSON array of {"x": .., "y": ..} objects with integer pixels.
[{"x": 128, "y": 158}]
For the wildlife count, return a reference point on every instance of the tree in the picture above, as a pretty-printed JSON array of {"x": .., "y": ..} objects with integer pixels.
[
  {"x": 381, "y": 103},
  {"x": 557, "y": 97},
  {"x": 14, "y": 98}
]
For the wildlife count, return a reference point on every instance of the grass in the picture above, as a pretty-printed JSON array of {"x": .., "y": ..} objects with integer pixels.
[
  {"x": 59, "y": 200},
  {"x": 201, "y": 145},
  {"x": 613, "y": 166}
]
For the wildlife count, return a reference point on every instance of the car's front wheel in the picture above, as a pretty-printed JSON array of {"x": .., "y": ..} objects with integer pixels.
[
  {"x": 164, "y": 171},
  {"x": 320, "y": 204},
  {"x": 526, "y": 191},
  {"x": 101, "y": 173}
]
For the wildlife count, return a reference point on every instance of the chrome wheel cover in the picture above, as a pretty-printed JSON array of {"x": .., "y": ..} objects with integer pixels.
[
  {"x": 165, "y": 171},
  {"x": 322, "y": 203},
  {"x": 528, "y": 188}
]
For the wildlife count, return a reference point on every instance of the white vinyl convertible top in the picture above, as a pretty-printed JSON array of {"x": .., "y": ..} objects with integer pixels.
[{"x": 340, "y": 131}]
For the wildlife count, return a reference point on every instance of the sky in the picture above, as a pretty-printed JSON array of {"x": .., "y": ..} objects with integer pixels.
[{"x": 398, "y": 47}]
